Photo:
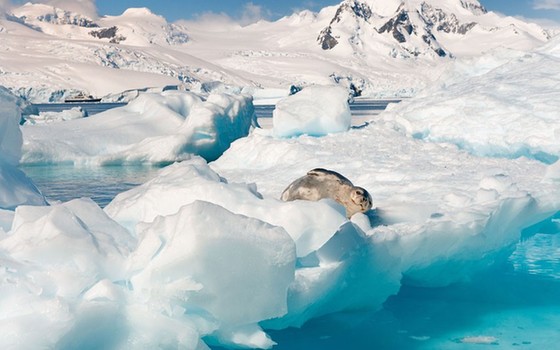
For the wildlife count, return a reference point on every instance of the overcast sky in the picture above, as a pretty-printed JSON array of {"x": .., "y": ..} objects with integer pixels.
[{"x": 248, "y": 11}]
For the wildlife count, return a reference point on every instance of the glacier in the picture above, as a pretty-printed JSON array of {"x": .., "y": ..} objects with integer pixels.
[{"x": 206, "y": 254}]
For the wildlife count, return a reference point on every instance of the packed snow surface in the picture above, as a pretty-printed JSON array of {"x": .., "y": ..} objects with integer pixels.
[
  {"x": 154, "y": 128},
  {"x": 207, "y": 253},
  {"x": 315, "y": 111}
]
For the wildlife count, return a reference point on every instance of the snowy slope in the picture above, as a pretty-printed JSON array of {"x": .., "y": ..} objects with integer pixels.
[
  {"x": 44, "y": 61},
  {"x": 384, "y": 48}
]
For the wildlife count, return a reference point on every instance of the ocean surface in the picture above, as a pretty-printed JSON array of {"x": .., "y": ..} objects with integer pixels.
[
  {"x": 61, "y": 183},
  {"x": 359, "y": 107}
]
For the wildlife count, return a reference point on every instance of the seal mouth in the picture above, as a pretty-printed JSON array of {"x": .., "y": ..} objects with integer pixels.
[{"x": 366, "y": 204}]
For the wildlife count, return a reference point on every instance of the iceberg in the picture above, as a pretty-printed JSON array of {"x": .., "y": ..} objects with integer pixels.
[
  {"x": 155, "y": 128},
  {"x": 15, "y": 187},
  {"x": 54, "y": 117},
  {"x": 504, "y": 104},
  {"x": 315, "y": 110},
  {"x": 442, "y": 213},
  {"x": 207, "y": 253}
]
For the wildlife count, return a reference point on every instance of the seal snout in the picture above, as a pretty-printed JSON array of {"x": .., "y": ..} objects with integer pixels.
[{"x": 362, "y": 198}]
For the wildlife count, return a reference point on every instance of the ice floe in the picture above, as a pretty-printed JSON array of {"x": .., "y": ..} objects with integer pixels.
[{"x": 154, "y": 128}]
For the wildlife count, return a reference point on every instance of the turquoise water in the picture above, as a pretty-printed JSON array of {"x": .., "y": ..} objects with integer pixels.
[
  {"x": 501, "y": 309},
  {"x": 102, "y": 184},
  {"x": 512, "y": 306}
]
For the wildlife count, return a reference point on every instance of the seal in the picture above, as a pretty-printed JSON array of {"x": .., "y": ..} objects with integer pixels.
[{"x": 322, "y": 183}]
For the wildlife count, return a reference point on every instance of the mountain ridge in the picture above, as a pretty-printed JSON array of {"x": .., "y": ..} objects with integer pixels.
[{"x": 414, "y": 25}]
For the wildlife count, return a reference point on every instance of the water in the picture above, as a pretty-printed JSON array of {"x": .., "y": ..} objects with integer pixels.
[
  {"x": 102, "y": 184},
  {"x": 502, "y": 308},
  {"x": 358, "y": 107},
  {"x": 515, "y": 305},
  {"x": 89, "y": 107}
]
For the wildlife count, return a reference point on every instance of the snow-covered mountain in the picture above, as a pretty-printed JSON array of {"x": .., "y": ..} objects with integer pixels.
[
  {"x": 417, "y": 27},
  {"x": 136, "y": 26},
  {"x": 383, "y": 48}
]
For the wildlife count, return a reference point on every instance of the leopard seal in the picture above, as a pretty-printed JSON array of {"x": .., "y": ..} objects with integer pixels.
[{"x": 322, "y": 183}]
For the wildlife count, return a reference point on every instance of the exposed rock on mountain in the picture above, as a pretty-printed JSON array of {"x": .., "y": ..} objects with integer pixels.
[
  {"x": 30, "y": 13},
  {"x": 442, "y": 22},
  {"x": 473, "y": 6},
  {"x": 404, "y": 29},
  {"x": 108, "y": 33},
  {"x": 326, "y": 39}
]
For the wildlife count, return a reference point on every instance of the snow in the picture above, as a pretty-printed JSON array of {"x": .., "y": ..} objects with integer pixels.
[
  {"x": 154, "y": 128},
  {"x": 315, "y": 111},
  {"x": 10, "y": 136}
]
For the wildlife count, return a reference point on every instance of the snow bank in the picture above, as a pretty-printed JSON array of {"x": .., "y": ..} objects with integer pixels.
[
  {"x": 15, "y": 187},
  {"x": 315, "y": 111},
  {"x": 154, "y": 128},
  {"x": 491, "y": 109}
]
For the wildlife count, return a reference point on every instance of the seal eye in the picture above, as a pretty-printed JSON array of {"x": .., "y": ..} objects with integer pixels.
[{"x": 360, "y": 192}]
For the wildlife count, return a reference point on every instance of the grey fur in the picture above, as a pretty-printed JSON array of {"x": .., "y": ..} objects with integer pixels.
[{"x": 322, "y": 183}]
